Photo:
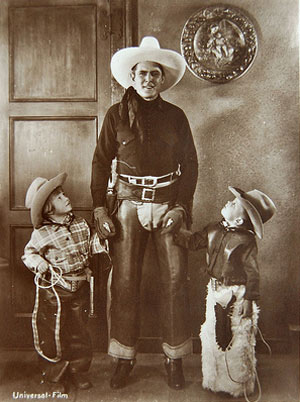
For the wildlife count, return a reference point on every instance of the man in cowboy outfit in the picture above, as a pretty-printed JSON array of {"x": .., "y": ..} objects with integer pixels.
[{"x": 156, "y": 166}]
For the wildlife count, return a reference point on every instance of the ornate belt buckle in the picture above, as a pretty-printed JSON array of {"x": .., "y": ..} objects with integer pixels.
[
  {"x": 149, "y": 181},
  {"x": 148, "y": 194}
]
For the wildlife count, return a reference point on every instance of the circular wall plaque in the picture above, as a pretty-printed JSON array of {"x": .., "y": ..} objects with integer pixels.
[{"x": 218, "y": 43}]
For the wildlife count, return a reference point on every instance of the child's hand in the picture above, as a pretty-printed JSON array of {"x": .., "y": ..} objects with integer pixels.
[
  {"x": 182, "y": 238},
  {"x": 42, "y": 267},
  {"x": 247, "y": 309}
]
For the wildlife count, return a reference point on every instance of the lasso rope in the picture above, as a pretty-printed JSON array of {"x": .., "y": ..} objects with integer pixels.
[
  {"x": 255, "y": 371},
  {"x": 55, "y": 277}
]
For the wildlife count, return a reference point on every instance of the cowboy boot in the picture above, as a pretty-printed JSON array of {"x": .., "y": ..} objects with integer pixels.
[
  {"x": 53, "y": 377},
  {"x": 80, "y": 380},
  {"x": 120, "y": 377},
  {"x": 175, "y": 374}
]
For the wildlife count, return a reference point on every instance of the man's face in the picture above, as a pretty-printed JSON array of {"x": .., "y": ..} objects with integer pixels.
[
  {"x": 147, "y": 79},
  {"x": 60, "y": 203},
  {"x": 233, "y": 211}
]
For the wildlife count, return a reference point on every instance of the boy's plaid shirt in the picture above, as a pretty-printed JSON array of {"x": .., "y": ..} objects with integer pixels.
[{"x": 67, "y": 246}]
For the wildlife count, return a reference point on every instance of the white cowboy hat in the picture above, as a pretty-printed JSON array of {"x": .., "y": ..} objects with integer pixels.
[
  {"x": 37, "y": 194},
  {"x": 149, "y": 50},
  {"x": 259, "y": 207}
]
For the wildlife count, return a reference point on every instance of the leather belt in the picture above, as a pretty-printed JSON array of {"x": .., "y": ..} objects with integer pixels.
[
  {"x": 216, "y": 283},
  {"x": 71, "y": 282},
  {"x": 151, "y": 181},
  {"x": 75, "y": 278},
  {"x": 144, "y": 194}
]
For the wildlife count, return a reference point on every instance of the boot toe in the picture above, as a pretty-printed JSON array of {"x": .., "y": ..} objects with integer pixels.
[
  {"x": 81, "y": 381},
  {"x": 121, "y": 375},
  {"x": 175, "y": 374},
  {"x": 54, "y": 388}
]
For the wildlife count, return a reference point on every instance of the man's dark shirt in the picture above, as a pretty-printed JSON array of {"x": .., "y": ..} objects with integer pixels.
[{"x": 166, "y": 143}]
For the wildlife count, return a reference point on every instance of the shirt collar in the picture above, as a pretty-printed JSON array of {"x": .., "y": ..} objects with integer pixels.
[{"x": 156, "y": 103}]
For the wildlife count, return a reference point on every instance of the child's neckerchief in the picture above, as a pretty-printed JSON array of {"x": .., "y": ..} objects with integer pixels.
[
  {"x": 229, "y": 228},
  {"x": 66, "y": 222}
]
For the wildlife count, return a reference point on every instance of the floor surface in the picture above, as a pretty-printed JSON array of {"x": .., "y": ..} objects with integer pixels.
[{"x": 278, "y": 375}]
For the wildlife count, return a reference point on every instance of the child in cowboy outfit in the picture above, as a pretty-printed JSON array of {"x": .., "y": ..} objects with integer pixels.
[
  {"x": 228, "y": 333},
  {"x": 58, "y": 253}
]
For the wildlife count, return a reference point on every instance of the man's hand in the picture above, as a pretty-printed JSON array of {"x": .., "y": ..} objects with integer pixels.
[
  {"x": 247, "y": 309},
  {"x": 172, "y": 220},
  {"x": 42, "y": 267},
  {"x": 104, "y": 226}
]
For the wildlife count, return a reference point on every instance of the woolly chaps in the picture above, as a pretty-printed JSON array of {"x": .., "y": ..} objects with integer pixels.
[{"x": 228, "y": 341}]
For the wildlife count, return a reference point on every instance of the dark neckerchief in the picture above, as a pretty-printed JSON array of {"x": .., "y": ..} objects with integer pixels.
[
  {"x": 135, "y": 113},
  {"x": 66, "y": 222},
  {"x": 132, "y": 106},
  {"x": 226, "y": 226}
]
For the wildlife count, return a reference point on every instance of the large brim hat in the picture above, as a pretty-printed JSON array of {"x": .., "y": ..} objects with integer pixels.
[
  {"x": 259, "y": 207},
  {"x": 38, "y": 193},
  {"x": 125, "y": 59}
]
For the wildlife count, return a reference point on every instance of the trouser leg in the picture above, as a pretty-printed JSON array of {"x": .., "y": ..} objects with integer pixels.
[
  {"x": 175, "y": 320},
  {"x": 46, "y": 328},
  {"x": 77, "y": 342},
  {"x": 128, "y": 251},
  {"x": 74, "y": 340}
]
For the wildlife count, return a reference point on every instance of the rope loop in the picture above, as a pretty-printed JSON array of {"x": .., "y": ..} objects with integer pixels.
[{"x": 55, "y": 277}]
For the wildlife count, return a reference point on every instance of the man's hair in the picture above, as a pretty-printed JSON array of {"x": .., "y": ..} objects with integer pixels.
[
  {"x": 158, "y": 65},
  {"x": 48, "y": 206}
]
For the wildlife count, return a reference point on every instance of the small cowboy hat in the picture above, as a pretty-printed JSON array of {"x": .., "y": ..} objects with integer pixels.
[
  {"x": 149, "y": 50},
  {"x": 37, "y": 194},
  {"x": 259, "y": 207}
]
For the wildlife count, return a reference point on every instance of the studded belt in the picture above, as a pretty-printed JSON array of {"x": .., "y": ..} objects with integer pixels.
[
  {"x": 151, "y": 181},
  {"x": 159, "y": 195}
]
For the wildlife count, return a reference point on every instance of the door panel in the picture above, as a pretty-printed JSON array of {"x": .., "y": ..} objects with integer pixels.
[
  {"x": 55, "y": 89},
  {"x": 47, "y": 146},
  {"x": 53, "y": 53}
]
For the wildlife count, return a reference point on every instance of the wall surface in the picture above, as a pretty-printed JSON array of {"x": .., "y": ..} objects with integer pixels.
[{"x": 247, "y": 135}]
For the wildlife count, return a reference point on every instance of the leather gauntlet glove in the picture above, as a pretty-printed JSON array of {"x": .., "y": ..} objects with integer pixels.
[
  {"x": 104, "y": 226},
  {"x": 172, "y": 220}
]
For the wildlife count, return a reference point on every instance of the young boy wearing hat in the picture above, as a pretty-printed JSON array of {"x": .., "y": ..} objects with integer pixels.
[
  {"x": 58, "y": 254},
  {"x": 228, "y": 333}
]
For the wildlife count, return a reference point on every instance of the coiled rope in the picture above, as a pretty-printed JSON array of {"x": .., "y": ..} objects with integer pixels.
[{"x": 55, "y": 277}]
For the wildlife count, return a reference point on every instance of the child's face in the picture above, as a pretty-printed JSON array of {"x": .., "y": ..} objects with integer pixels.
[
  {"x": 232, "y": 211},
  {"x": 60, "y": 203}
]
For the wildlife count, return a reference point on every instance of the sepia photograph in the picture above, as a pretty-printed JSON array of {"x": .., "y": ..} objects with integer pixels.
[{"x": 149, "y": 200}]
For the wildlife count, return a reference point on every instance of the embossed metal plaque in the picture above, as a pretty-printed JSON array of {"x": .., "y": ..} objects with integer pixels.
[{"x": 219, "y": 43}]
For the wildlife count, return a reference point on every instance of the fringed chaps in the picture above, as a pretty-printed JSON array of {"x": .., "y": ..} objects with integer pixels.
[{"x": 229, "y": 368}]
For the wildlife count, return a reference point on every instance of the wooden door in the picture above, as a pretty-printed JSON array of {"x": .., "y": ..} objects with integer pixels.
[{"x": 55, "y": 89}]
